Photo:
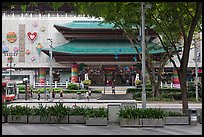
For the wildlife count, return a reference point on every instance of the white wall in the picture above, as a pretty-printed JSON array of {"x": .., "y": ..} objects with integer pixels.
[
  {"x": 11, "y": 23},
  {"x": 191, "y": 62}
]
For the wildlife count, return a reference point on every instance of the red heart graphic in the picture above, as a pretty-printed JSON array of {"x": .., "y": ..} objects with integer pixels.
[{"x": 32, "y": 36}]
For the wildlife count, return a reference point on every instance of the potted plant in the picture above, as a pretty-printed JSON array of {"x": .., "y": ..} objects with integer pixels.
[
  {"x": 5, "y": 112},
  {"x": 138, "y": 83},
  {"x": 18, "y": 114},
  {"x": 39, "y": 115},
  {"x": 86, "y": 83},
  {"x": 77, "y": 115},
  {"x": 58, "y": 113},
  {"x": 96, "y": 116},
  {"x": 129, "y": 117},
  {"x": 152, "y": 117},
  {"x": 175, "y": 118}
]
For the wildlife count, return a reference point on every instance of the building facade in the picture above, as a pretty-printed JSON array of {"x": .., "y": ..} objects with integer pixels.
[{"x": 25, "y": 38}]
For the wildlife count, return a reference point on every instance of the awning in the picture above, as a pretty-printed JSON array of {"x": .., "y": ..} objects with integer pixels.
[{"x": 102, "y": 47}]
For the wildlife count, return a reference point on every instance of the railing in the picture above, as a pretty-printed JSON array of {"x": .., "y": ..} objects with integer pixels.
[
  {"x": 36, "y": 14},
  {"x": 55, "y": 85}
]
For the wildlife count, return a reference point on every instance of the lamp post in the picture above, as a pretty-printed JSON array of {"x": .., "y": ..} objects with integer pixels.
[
  {"x": 50, "y": 68},
  {"x": 196, "y": 66},
  {"x": 10, "y": 59},
  {"x": 25, "y": 80},
  {"x": 143, "y": 57},
  {"x": 143, "y": 6}
]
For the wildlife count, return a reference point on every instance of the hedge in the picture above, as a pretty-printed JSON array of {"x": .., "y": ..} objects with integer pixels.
[
  {"x": 57, "y": 90},
  {"x": 166, "y": 93}
]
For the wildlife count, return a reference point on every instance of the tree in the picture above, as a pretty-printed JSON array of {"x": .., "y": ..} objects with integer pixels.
[
  {"x": 127, "y": 17},
  {"x": 177, "y": 22},
  {"x": 170, "y": 20}
]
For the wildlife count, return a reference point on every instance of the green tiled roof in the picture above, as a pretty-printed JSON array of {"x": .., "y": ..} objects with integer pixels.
[
  {"x": 101, "y": 47},
  {"x": 87, "y": 25}
]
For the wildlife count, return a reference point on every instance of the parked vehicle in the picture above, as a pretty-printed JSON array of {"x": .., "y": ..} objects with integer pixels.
[{"x": 8, "y": 91}]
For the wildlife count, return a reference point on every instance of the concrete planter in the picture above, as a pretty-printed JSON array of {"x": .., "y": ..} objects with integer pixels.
[
  {"x": 177, "y": 120},
  {"x": 149, "y": 122},
  {"x": 56, "y": 120},
  {"x": 200, "y": 119},
  {"x": 125, "y": 122},
  {"x": 9, "y": 118},
  {"x": 3, "y": 119},
  {"x": 77, "y": 119},
  {"x": 19, "y": 119},
  {"x": 64, "y": 120},
  {"x": 97, "y": 121},
  {"x": 38, "y": 120}
]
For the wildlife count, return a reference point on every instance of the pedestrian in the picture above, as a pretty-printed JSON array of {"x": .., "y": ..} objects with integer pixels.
[
  {"x": 113, "y": 89},
  {"x": 61, "y": 95},
  {"x": 89, "y": 92},
  {"x": 38, "y": 95},
  {"x": 47, "y": 94},
  {"x": 31, "y": 94},
  {"x": 87, "y": 95},
  {"x": 127, "y": 82},
  {"x": 53, "y": 94}
]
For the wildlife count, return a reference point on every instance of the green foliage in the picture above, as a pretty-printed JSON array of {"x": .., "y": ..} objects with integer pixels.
[
  {"x": 87, "y": 82},
  {"x": 58, "y": 110},
  {"x": 77, "y": 110},
  {"x": 19, "y": 110},
  {"x": 138, "y": 82},
  {"x": 130, "y": 112},
  {"x": 56, "y": 5},
  {"x": 96, "y": 112},
  {"x": 173, "y": 114},
  {"x": 21, "y": 87},
  {"x": 5, "y": 109},
  {"x": 72, "y": 86}
]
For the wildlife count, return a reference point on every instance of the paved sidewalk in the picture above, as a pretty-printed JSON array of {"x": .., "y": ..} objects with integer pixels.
[
  {"x": 102, "y": 103},
  {"x": 81, "y": 129}
]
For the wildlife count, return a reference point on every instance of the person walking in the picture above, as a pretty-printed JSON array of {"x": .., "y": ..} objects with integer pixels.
[
  {"x": 47, "y": 94},
  {"x": 61, "y": 95},
  {"x": 31, "y": 94},
  {"x": 87, "y": 95},
  {"x": 89, "y": 92},
  {"x": 38, "y": 95},
  {"x": 113, "y": 89},
  {"x": 53, "y": 94}
]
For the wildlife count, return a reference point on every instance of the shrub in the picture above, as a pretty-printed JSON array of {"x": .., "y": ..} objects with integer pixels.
[
  {"x": 21, "y": 87},
  {"x": 172, "y": 114},
  {"x": 137, "y": 82},
  {"x": 130, "y": 112},
  {"x": 96, "y": 112},
  {"x": 73, "y": 86},
  {"x": 77, "y": 110},
  {"x": 87, "y": 82},
  {"x": 5, "y": 109}
]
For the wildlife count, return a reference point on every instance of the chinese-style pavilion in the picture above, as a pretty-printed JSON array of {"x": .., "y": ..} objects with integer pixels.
[{"x": 101, "y": 51}]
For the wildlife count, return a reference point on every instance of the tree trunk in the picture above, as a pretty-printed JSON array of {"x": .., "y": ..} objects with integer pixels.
[{"x": 184, "y": 91}]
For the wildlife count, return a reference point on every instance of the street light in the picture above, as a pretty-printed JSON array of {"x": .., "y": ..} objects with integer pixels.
[
  {"x": 25, "y": 81},
  {"x": 50, "y": 68},
  {"x": 196, "y": 55},
  {"x": 11, "y": 65},
  {"x": 143, "y": 53}
]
